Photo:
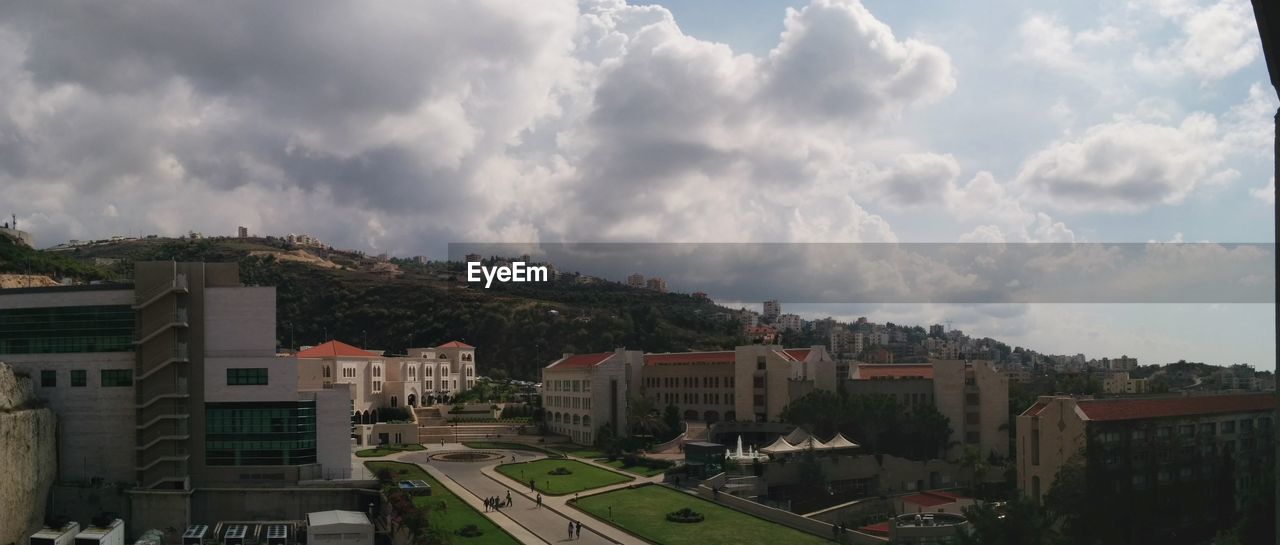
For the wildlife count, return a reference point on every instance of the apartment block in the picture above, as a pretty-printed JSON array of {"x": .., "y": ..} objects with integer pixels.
[{"x": 1118, "y": 382}]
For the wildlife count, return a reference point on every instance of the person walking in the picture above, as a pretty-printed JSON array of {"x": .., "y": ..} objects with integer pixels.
[
  {"x": 571, "y": 529},
  {"x": 578, "y": 528},
  {"x": 539, "y": 506},
  {"x": 508, "y": 497},
  {"x": 531, "y": 487}
]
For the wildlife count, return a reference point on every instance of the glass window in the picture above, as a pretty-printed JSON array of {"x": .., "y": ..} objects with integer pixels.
[
  {"x": 117, "y": 377},
  {"x": 1229, "y": 426},
  {"x": 1163, "y": 432},
  {"x": 1208, "y": 429},
  {"x": 268, "y": 434},
  {"x": 48, "y": 379},
  {"x": 63, "y": 330},
  {"x": 79, "y": 378},
  {"x": 256, "y": 376}
]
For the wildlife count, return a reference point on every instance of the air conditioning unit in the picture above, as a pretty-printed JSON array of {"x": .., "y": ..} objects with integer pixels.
[
  {"x": 277, "y": 534},
  {"x": 235, "y": 534},
  {"x": 65, "y": 534},
  {"x": 195, "y": 534}
]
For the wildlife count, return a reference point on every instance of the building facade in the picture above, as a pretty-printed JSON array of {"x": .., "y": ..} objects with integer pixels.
[
  {"x": 584, "y": 393},
  {"x": 973, "y": 395},
  {"x": 1177, "y": 465},
  {"x": 421, "y": 378},
  {"x": 173, "y": 386}
]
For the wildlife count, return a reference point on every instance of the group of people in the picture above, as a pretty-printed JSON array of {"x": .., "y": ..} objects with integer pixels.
[
  {"x": 496, "y": 503},
  {"x": 575, "y": 529}
]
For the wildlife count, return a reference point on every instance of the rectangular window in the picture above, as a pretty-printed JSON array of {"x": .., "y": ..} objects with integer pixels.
[
  {"x": 260, "y": 434},
  {"x": 1229, "y": 426},
  {"x": 79, "y": 378},
  {"x": 63, "y": 330},
  {"x": 1186, "y": 430},
  {"x": 760, "y": 363},
  {"x": 1162, "y": 432},
  {"x": 255, "y": 376},
  {"x": 48, "y": 379},
  {"x": 1207, "y": 429},
  {"x": 117, "y": 377}
]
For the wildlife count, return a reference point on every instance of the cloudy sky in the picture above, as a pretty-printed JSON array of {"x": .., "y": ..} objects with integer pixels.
[{"x": 402, "y": 126}]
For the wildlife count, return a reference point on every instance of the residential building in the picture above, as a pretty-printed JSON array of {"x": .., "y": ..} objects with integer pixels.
[
  {"x": 1158, "y": 466},
  {"x": 636, "y": 280},
  {"x": 1118, "y": 382},
  {"x": 789, "y": 322},
  {"x": 762, "y": 334},
  {"x": 1238, "y": 377},
  {"x": 172, "y": 384},
  {"x": 973, "y": 395},
  {"x": 772, "y": 309},
  {"x": 585, "y": 392},
  {"x": 656, "y": 284},
  {"x": 242, "y": 232}
]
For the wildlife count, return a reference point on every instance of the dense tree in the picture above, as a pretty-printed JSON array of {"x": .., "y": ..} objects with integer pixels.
[{"x": 1018, "y": 522}]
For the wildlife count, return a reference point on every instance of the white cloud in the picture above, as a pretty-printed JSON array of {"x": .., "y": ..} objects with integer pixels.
[
  {"x": 1216, "y": 41},
  {"x": 1265, "y": 193},
  {"x": 1124, "y": 165}
]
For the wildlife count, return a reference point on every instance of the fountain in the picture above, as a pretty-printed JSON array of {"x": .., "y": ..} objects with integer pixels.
[{"x": 740, "y": 456}]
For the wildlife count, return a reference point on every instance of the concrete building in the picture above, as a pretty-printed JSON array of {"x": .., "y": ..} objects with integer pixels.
[
  {"x": 789, "y": 322},
  {"x": 1118, "y": 382},
  {"x": 636, "y": 280},
  {"x": 242, "y": 232},
  {"x": 772, "y": 309},
  {"x": 585, "y": 392},
  {"x": 656, "y": 284},
  {"x": 1173, "y": 462},
  {"x": 339, "y": 528},
  {"x": 973, "y": 395},
  {"x": 172, "y": 386}
]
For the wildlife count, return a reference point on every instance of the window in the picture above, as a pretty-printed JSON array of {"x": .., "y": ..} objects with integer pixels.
[
  {"x": 413, "y": 373},
  {"x": 1246, "y": 424},
  {"x": 117, "y": 377},
  {"x": 256, "y": 376},
  {"x": 1163, "y": 432},
  {"x": 348, "y": 371},
  {"x": 1138, "y": 436},
  {"x": 327, "y": 372},
  {"x": 426, "y": 371},
  {"x": 63, "y": 330},
  {"x": 79, "y": 378},
  {"x": 48, "y": 379},
  {"x": 1186, "y": 430},
  {"x": 377, "y": 371},
  {"x": 260, "y": 434},
  {"x": 377, "y": 386},
  {"x": 1207, "y": 429},
  {"x": 760, "y": 363},
  {"x": 1229, "y": 426}
]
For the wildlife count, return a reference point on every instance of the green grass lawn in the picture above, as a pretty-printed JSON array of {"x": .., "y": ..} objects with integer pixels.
[
  {"x": 455, "y": 513},
  {"x": 642, "y": 510},
  {"x": 579, "y": 451},
  {"x": 636, "y": 470},
  {"x": 582, "y": 476},
  {"x": 499, "y": 445},
  {"x": 383, "y": 451}
]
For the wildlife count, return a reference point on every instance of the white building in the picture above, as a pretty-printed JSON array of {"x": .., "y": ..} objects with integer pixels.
[
  {"x": 772, "y": 309},
  {"x": 581, "y": 393},
  {"x": 790, "y": 322},
  {"x": 339, "y": 528},
  {"x": 421, "y": 378}
]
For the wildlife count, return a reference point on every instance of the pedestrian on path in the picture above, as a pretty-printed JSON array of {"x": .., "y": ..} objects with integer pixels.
[
  {"x": 531, "y": 487},
  {"x": 571, "y": 529},
  {"x": 578, "y": 528},
  {"x": 539, "y": 501},
  {"x": 508, "y": 497}
]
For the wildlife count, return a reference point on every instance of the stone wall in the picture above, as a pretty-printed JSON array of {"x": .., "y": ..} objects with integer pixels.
[{"x": 27, "y": 456}]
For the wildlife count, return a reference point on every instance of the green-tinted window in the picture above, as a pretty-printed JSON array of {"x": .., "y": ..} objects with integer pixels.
[
  {"x": 78, "y": 378},
  {"x": 117, "y": 377},
  {"x": 247, "y": 376},
  {"x": 48, "y": 379},
  {"x": 61, "y": 330},
  {"x": 260, "y": 434}
]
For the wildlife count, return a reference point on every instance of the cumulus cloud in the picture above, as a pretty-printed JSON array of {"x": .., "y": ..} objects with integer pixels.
[
  {"x": 401, "y": 126},
  {"x": 1215, "y": 41},
  {"x": 1265, "y": 193},
  {"x": 1125, "y": 165}
]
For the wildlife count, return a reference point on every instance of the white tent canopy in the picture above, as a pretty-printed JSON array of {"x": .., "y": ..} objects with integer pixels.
[
  {"x": 783, "y": 445},
  {"x": 797, "y": 436},
  {"x": 839, "y": 442}
]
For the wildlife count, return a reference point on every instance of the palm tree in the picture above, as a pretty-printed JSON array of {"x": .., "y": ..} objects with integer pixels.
[{"x": 644, "y": 417}]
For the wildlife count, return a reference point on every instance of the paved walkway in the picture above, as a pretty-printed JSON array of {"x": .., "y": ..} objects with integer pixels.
[{"x": 530, "y": 524}]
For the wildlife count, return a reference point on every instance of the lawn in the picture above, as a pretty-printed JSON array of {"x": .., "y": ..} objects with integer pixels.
[
  {"x": 578, "y": 451},
  {"x": 386, "y": 450},
  {"x": 636, "y": 470},
  {"x": 498, "y": 445},
  {"x": 455, "y": 514},
  {"x": 581, "y": 477},
  {"x": 642, "y": 510}
]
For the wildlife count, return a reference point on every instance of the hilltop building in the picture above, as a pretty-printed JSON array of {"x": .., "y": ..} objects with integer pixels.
[
  {"x": 772, "y": 308},
  {"x": 636, "y": 280}
]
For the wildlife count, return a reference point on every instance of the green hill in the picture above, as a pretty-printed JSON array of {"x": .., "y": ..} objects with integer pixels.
[{"x": 329, "y": 294}]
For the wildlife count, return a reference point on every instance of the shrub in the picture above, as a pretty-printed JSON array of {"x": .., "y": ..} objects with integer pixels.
[
  {"x": 560, "y": 471},
  {"x": 470, "y": 530},
  {"x": 685, "y": 516}
]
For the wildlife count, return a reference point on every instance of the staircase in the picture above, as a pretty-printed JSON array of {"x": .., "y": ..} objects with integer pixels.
[{"x": 433, "y": 428}]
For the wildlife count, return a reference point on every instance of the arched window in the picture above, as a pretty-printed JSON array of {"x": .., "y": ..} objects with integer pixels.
[
  {"x": 426, "y": 371},
  {"x": 327, "y": 372},
  {"x": 586, "y": 421},
  {"x": 576, "y": 420}
]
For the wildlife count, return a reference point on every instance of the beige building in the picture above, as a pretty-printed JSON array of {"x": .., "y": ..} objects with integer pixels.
[
  {"x": 973, "y": 395},
  {"x": 423, "y": 377},
  {"x": 1118, "y": 382},
  {"x": 1168, "y": 459},
  {"x": 585, "y": 392}
]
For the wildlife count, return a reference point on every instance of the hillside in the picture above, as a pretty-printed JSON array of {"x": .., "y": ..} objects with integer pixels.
[{"x": 323, "y": 293}]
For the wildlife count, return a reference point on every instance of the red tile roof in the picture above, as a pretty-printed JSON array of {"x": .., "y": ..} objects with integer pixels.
[
  {"x": 581, "y": 360},
  {"x": 725, "y": 356},
  {"x": 870, "y": 371},
  {"x": 333, "y": 349},
  {"x": 879, "y": 528},
  {"x": 1134, "y": 409},
  {"x": 932, "y": 499},
  {"x": 800, "y": 354},
  {"x": 1035, "y": 410},
  {"x": 455, "y": 344}
]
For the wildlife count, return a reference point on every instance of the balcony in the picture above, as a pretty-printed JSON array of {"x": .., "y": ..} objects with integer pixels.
[
  {"x": 160, "y": 324},
  {"x": 150, "y": 295},
  {"x": 155, "y": 363}
]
